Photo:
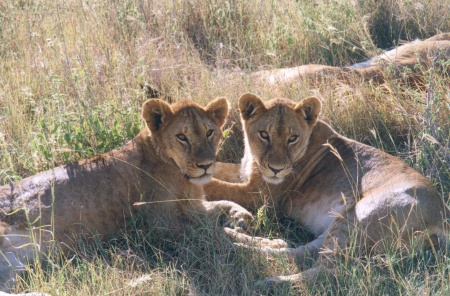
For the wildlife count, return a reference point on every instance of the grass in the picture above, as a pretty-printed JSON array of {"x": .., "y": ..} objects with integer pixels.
[{"x": 69, "y": 89}]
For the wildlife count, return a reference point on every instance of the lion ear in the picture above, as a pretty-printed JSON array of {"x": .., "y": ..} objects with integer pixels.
[
  {"x": 310, "y": 109},
  {"x": 218, "y": 110},
  {"x": 249, "y": 105},
  {"x": 156, "y": 113}
]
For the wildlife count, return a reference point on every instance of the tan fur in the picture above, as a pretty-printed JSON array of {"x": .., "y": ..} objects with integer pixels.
[
  {"x": 416, "y": 56},
  {"x": 340, "y": 190},
  {"x": 162, "y": 167},
  {"x": 311, "y": 74},
  {"x": 229, "y": 172}
]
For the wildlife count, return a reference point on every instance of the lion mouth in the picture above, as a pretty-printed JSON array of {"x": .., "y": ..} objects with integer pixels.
[
  {"x": 201, "y": 180},
  {"x": 273, "y": 179}
]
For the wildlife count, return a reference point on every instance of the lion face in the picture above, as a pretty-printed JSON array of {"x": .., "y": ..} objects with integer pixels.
[
  {"x": 277, "y": 132},
  {"x": 187, "y": 134}
]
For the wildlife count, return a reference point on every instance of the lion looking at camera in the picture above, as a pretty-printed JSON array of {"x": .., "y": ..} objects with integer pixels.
[
  {"x": 337, "y": 188},
  {"x": 163, "y": 168}
]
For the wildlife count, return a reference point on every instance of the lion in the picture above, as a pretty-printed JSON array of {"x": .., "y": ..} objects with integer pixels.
[
  {"x": 406, "y": 63},
  {"x": 339, "y": 189},
  {"x": 162, "y": 169}
]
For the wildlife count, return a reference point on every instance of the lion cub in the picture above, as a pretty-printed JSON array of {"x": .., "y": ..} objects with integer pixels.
[
  {"x": 164, "y": 167},
  {"x": 339, "y": 189}
]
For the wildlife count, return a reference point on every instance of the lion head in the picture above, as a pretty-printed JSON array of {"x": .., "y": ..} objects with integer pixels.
[
  {"x": 187, "y": 134},
  {"x": 276, "y": 133}
]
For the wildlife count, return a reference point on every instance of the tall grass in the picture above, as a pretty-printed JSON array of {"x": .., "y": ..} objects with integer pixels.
[
  {"x": 391, "y": 21},
  {"x": 70, "y": 88}
]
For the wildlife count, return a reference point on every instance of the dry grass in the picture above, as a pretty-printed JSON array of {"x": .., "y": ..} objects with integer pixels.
[{"x": 69, "y": 88}]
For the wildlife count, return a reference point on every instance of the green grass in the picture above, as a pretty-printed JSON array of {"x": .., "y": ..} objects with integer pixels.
[{"x": 69, "y": 89}]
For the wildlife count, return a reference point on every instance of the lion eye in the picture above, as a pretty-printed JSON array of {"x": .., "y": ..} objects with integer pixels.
[
  {"x": 209, "y": 133},
  {"x": 264, "y": 135},
  {"x": 292, "y": 139},
  {"x": 181, "y": 137}
]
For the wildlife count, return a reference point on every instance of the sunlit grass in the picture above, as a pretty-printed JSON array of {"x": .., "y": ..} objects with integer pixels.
[{"x": 69, "y": 89}]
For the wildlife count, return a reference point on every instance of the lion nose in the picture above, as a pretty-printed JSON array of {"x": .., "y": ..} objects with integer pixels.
[
  {"x": 276, "y": 168},
  {"x": 204, "y": 166}
]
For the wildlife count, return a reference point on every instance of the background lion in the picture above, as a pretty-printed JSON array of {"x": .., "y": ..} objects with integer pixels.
[
  {"x": 404, "y": 63},
  {"x": 337, "y": 188},
  {"x": 163, "y": 168}
]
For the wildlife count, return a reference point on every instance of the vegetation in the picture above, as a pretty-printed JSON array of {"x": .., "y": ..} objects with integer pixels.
[{"x": 70, "y": 88}]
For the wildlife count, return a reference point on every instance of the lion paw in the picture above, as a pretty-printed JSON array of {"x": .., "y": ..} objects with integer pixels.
[
  {"x": 274, "y": 243},
  {"x": 239, "y": 219}
]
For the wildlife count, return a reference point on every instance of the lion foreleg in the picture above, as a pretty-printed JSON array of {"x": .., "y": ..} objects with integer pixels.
[
  {"x": 228, "y": 172},
  {"x": 300, "y": 253},
  {"x": 277, "y": 247},
  {"x": 255, "y": 241},
  {"x": 245, "y": 194},
  {"x": 236, "y": 216}
]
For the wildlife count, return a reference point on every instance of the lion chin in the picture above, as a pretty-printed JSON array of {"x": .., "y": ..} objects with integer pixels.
[
  {"x": 273, "y": 179},
  {"x": 200, "y": 181}
]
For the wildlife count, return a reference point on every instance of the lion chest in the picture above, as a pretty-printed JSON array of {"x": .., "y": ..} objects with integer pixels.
[{"x": 317, "y": 214}]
